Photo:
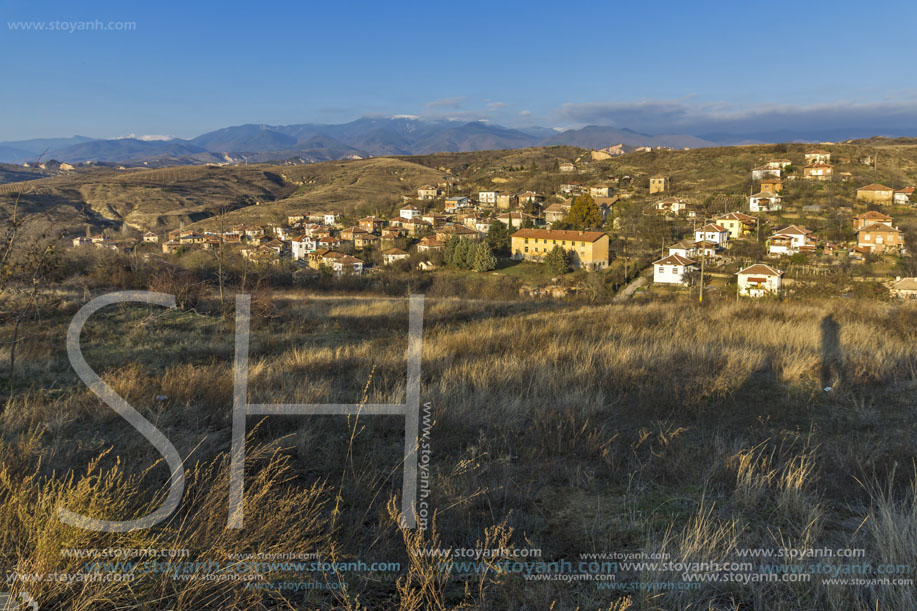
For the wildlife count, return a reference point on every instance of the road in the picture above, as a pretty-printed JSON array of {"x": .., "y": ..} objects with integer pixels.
[{"x": 625, "y": 293}]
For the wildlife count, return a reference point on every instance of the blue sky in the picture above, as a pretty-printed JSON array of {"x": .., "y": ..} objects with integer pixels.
[{"x": 193, "y": 66}]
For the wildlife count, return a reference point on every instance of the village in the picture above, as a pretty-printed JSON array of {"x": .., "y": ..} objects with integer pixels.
[{"x": 583, "y": 227}]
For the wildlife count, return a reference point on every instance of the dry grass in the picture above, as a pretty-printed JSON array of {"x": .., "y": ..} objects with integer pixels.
[{"x": 572, "y": 429}]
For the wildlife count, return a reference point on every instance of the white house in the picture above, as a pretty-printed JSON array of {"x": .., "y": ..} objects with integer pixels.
[
  {"x": 672, "y": 270},
  {"x": 712, "y": 233},
  {"x": 672, "y": 205},
  {"x": 409, "y": 212},
  {"x": 488, "y": 197},
  {"x": 394, "y": 254},
  {"x": 790, "y": 240},
  {"x": 301, "y": 246},
  {"x": 765, "y": 172},
  {"x": 903, "y": 196},
  {"x": 759, "y": 280},
  {"x": 330, "y": 218},
  {"x": 685, "y": 249},
  {"x": 764, "y": 202}
]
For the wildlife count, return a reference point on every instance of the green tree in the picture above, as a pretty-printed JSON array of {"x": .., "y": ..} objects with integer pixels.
[
  {"x": 498, "y": 238},
  {"x": 557, "y": 261},
  {"x": 584, "y": 214},
  {"x": 449, "y": 251},
  {"x": 483, "y": 259}
]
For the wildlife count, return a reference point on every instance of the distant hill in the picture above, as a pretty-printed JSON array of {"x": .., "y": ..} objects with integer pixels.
[{"x": 375, "y": 137}]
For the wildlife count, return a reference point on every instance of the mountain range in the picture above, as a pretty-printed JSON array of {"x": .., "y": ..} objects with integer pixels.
[{"x": 365, "y": 137}]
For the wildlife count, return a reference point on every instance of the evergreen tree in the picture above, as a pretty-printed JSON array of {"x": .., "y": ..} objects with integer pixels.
[
  {"x": 584, "y": 214},
  {"x": 484, "y": 259},
  {"x": 498, "y": 238},
  {"x": 557, "y": 261}
]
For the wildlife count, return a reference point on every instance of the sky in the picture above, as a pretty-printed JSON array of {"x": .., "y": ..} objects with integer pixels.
[{"x": 185, "y": 68}]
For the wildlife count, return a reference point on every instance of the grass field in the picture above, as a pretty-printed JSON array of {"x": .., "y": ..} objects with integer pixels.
[{"x": 658, "y": 428}]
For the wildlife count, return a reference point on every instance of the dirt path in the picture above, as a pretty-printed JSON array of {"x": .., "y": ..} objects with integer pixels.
[{"x": 625, "y": 293}]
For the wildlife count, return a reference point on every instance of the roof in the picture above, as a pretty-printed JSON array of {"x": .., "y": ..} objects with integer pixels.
[
  {"x": 818, "y": 165},
  {"x": 736, "y": 216},
  {"x": 905, "y": 284},
  {"x": 657, "y": 176},
  {"x": 794, "y": 230},
  {"x": 674, "y": 260},
  {"x": 760, "y": 269},
  {"x": 906, "y": 190},
  {"x": 712, "y": 228},
  {"x": 557, "y": 208},
  {"x": 818, "y": 152},
  {"x": 394, "y": 251},
  {"x": 684, "y": 244},
  {"x": 875, "y": 187},
  {"x": 878, "y": 227},
  {"x": 771, "y": 181},
  {"x": 765, "y": 195},
  {"x": 872, "y": 214},
  {"x": 560, "y": 234}
]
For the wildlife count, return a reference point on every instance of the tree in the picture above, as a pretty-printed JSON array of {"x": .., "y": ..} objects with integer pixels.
[
  {"x": 483, "y": 259},
  {"x": 498, "y": 238},
  {"x": 584, "y": 214},
  {"x": 557, "y": 261}
]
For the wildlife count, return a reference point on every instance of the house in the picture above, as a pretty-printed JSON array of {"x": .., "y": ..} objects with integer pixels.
[
  {"x": 429, "y": 244},
  {"x": 295, "y": 219},
  {"x": 530, "y": 197},
  {"x": 877, "y": 194},
  {"x": 587, "y": 249},
  {"x": 416, "y": 226},
  {"x": 771, "y": 185},
  {"x": 443, "y": 234},
  {"x": 428, "y": 192},
  {"x": 347, "y": 265},
  {"x": 706, "y": 249},
  {"x": 765, "y": 201},
  {"x": 659, "y": 184},
  {"x": 778, "y": 164},
  {"x": 738, "y": 224},
  {"x": 671, "y": 205},
  {"x": 903, "y": 196},
  {"x": 571, "y": 188},
  {"x": 350, "y": 233},
  {"x": 870, "y": 217},
  {"x": 567, "y": 167},
  {"x": 672, "y": 269},
  {"x": 607, "y": 204},
  {"x": 818, "y": 156},
  {"x": 506, "y": 201},
  {"x": 331, "y": 218},
  {"x": 150, "y": 237},
  {"x": 301, "y": 246},
  {"x": 488, "y": 198},
  {"x": 904, "y": 288},
  {"x": 712, "y": 233},
  {"x": 482, "y": 224},
  {"x": 81, "y": 241},
  {"x": 879, "y": 238},
  {"x": 685, "y": 249},
  {"x": 366, "y": 240},
  {"x": 759, "y": 280},
  {"x": 454, "y": 204},
  {"x": 409, "y": 212},
  {"x": 818, "y": 171},
  {"x": 601, "y": 190},
  {"x": 515, "y": 220},
  {"x": 261, "y": 254},
  {"x": 328, "y": 242},
  {"x": 764, "y": 172},
  {"x": 791, "y": 240},
  {"x": 556, "y": 212},
  {"x": 371, "y": 224},
  {"x": 393, "y": 254},
  {"x": 435, "y": 220}
]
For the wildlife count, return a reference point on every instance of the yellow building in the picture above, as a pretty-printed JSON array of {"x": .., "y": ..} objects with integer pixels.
[
  {"x": 658, "y": 183},
  {"x": 879, "y": 194},
  {"x": 587, "y": 249},
  {"x": 738, "y": 224}
]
